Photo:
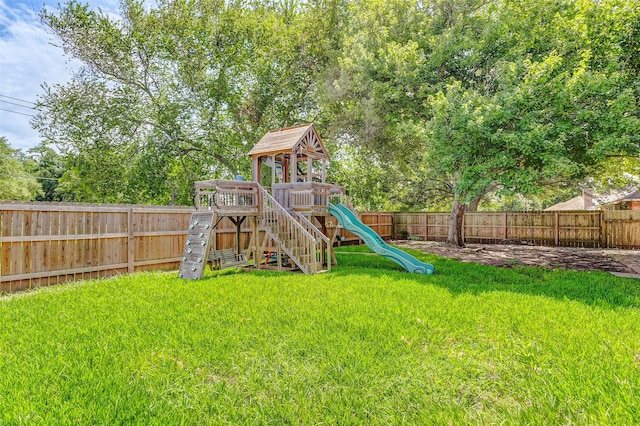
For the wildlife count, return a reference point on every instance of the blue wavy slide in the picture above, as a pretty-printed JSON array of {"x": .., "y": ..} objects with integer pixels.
[{"x": 351, "y": 223}]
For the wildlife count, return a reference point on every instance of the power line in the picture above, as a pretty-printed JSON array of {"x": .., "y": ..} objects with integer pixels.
[
  {"x": 16, "y": 112},
  {"x": 16, "y": 104},
  {"x": 17, "y": 99},
  {"x": 28, "y": 176}
]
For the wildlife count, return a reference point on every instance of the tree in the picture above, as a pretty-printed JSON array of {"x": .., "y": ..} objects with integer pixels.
[
  {"x": 15, "y": 181},
  {"x": 176, "y": 93},
  {"x": 48, "y": 166},
  {"x": 491, "y": 96}
]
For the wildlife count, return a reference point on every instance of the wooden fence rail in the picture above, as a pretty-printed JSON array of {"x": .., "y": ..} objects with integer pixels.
[
  {"x": 605, "y": 229},
  {"x": 47, "y": 243}
]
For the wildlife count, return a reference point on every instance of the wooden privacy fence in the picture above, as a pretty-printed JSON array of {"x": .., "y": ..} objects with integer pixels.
[
  {"x": 43, "y": 243},
  {"x": 606, "y": 229},
  {"x": 48, "y": 243},
  {"x": 381, "y": 222}
]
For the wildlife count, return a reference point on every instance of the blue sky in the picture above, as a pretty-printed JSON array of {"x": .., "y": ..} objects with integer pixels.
[{"x": 28, "y": 58}]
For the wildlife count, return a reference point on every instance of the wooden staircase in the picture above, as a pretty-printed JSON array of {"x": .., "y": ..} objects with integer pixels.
[
  {"x": 295, "y": 239},
  {"x": 322, "y": 241}
]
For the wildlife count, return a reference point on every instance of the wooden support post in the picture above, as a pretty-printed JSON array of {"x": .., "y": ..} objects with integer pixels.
[
  {"x": 556, "y": 229},
  {"x": 237, "y": 221},
  {"x": 254, "y": 241},
  {"x": 309, "y": 169},
  {"x": 262, "y": 248},
  {"x": 130, "y": 243},
  {"x": 214, "y": 232},
  {"x": 279, "y": 257},
  {"x": 255, "y": 170},
  {"x": 273, "y": 170},
  {"x": 322, "y": 220},
  {"x": 294, "y": 167},
  {"x": 324, "y": 170},
  {"x": 331, "y": 242}
]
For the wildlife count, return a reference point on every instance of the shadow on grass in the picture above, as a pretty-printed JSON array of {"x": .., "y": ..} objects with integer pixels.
[{"x": 592, "y": 288}]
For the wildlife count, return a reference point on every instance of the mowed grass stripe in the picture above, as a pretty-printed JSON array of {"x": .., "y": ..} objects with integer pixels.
[{"x": 364, "y": 344}]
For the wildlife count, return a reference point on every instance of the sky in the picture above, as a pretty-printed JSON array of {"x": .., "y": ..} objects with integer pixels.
[{"x": 29, "y": 58}]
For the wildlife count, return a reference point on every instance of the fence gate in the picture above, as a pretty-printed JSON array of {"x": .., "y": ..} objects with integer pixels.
[
  {"x": 196, "y": 248},
  {"x": 621, "y": 228}
]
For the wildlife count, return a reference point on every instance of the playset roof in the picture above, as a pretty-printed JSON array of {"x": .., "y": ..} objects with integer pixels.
[{"x": 291, "y": 139}]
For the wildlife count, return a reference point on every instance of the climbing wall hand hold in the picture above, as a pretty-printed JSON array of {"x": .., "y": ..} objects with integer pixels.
[
  {"x": 184, "y": 258},
  {"x": 201, "y": 235},
  {"x": 189, "y": 250},
  {"x": 199, "y": 260},
  {"x": 193, "y": 268},
  {"x": 203, "y": 243},
  {"x": 188, "y": 242}
]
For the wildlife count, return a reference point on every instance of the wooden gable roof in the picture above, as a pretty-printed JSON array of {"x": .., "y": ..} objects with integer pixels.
[{"x": 300, "y": 139}]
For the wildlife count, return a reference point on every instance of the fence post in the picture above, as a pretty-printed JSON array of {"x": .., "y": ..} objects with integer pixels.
[
  {"x": 130, "y": 243},
  {"x": 556, "y": 229},
  {"x": 464, "y": 216},
  {"x": 603, "y": 229},
  {"x": 426, "y": 227},
  {"x": 504, "y": 228},
  {"x": 393, "y": 225}
]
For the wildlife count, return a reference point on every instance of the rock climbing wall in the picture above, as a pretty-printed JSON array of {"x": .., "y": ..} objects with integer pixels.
[{"x": 197, "y": 245}]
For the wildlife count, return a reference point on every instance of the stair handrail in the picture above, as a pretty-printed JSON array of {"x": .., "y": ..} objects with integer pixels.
[
  {"x": 271, "y": 206},
  {"x": 321, "y": 239},
  {"x": 312, "y": 229}
]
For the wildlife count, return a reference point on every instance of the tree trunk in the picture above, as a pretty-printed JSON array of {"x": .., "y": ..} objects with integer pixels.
[
  {"x": 473, "y": 204},
  {"x": 454, "y": 237}
]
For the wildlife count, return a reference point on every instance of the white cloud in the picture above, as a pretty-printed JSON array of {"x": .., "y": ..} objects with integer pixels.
[{"x": 27, "y": 59}]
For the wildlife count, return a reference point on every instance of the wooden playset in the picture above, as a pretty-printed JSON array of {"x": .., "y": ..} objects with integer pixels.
[{"x": 286, "y": 204}]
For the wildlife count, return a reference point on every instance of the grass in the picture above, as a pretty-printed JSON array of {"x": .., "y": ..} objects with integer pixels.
[{"x": 364, "y": 344}]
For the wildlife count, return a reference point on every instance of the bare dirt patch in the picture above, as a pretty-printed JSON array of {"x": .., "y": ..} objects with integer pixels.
[{"x": 508, "y": 256}]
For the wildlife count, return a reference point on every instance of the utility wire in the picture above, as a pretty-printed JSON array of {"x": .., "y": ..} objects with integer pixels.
[
  {"x": 28, "y": 176},
  {"x": 16, "y": 104},
  {"x": 17, "y": 99},
  {"x": 16, "y": 112}
]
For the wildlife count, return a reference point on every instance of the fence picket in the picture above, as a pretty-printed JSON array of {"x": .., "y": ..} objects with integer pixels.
[{"x": 48, "y": 243}]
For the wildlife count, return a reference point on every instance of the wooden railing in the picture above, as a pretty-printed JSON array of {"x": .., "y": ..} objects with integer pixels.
[
  {"x": 322, "y": 240},
  {"x": 228, "y": 196},
  {"x": 305, "y": 197},
  {"x": 291, "y": 236}
]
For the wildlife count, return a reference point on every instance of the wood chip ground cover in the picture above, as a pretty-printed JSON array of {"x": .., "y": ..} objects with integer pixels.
[{"x": 509, "y": 255}]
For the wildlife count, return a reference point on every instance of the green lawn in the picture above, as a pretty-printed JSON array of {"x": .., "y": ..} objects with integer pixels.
[{"x": 364, "y": 344}]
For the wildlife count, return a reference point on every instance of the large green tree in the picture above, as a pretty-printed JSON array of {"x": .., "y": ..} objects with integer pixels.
[
  {"x": 16, "y": 183},
  {"x": 486, "y": 95},
  {"x": 178, "y": 91}
]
